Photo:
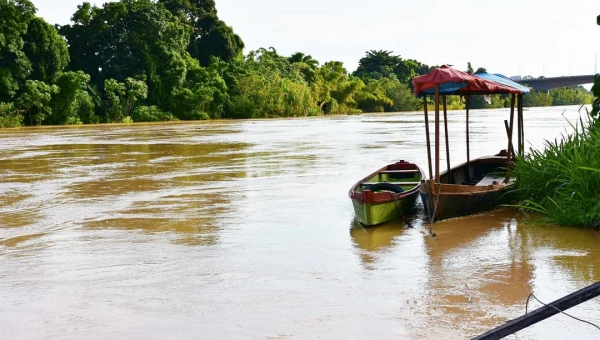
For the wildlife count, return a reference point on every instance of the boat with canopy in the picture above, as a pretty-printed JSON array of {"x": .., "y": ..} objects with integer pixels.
[{"x": 479, "y": 184}]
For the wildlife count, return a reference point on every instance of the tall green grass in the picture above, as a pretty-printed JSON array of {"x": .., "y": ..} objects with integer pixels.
[{"x": 563, "y": 180}]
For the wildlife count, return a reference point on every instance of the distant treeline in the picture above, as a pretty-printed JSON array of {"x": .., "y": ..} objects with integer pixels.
[{"x": 143, "y": 60}]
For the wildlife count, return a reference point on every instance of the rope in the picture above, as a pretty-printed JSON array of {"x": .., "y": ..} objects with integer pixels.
[
  {"x": 571, "y": 316},
  {"x": 432, "y": 216}
]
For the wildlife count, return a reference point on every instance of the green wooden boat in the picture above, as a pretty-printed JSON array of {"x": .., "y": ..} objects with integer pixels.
[{"x": 387, "y": 194}]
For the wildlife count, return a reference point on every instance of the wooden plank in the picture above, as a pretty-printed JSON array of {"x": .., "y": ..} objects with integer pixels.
[
  {"x": 542, "y": 313},
  {"x": 489, "y": 179},
  {"x": 455, "y": 189},
  {"x": 388, "y": 172},
  {"x": 402, "y": 184},
  {"x": 510, "y": 134},
  {"x": 507, "y": 128}
]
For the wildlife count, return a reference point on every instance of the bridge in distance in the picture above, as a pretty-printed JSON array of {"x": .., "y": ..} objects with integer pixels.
[{"x": 545, "y": 84}]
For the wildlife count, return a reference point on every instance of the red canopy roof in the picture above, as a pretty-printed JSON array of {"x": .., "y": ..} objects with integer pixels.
[{"x": 465, "y": 83}]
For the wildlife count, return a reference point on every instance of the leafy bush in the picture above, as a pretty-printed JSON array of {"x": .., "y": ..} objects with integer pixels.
[
  {"x": 9, "y": 116},
  {"x": 151, "y": 114},
  {"x": 563, "y": 180}
]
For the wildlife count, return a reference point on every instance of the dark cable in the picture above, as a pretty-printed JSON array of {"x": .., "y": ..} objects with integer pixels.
[{"x": 571, "y": 316}]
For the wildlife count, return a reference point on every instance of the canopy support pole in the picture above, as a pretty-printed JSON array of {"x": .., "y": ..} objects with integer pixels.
[
  {"x": 519, "y": 124},
  {"x": 437, "y": 133},
  {"x": 522, "y": 125},
  {"x": 510, "y": 133},
  {"x": 446, "y": 134},
  {"x": 427, "y": 137},
  {"x": 467, "y": 101}
]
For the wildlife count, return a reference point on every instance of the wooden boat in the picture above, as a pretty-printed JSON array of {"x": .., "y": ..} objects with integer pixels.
[
  {"x": 387, "y": 194},
  {"x": 469, "y": 188},
  {"x": 481, "y": 184}
]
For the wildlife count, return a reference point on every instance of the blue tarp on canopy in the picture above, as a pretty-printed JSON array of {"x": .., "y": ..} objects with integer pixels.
[
  {"x": 445, "y": 88},
  {"x": 498, "y": 78}
]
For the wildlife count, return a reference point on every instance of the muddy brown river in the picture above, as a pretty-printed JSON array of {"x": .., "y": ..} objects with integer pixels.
[{"x": 244, "y": 230}]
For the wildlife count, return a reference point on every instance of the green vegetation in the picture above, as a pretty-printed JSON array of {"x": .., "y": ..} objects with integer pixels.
[
  {"x": 563, "y": 180},
  {"x": 162, "y": 60},
  {"x": 574, "y": 95}
]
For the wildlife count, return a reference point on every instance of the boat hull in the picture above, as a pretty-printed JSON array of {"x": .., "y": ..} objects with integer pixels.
[
  {"x": 371, "y": 214},
  {"x": 387, "y": 194},
  {"x": 460, "y": 197},
  {"x": 458, "y": 204}
]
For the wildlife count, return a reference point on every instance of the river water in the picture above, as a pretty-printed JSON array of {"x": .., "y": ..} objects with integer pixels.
[{"x": 244, "y": 230}]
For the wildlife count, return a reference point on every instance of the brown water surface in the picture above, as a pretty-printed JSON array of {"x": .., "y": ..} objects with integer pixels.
[{"x": 244, "y": 230}]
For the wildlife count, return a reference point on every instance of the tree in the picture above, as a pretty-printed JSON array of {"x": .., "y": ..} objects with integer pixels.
[
  {"x": 204, "y": 95},
  {"x": 114, "y": 42},
  {"x": 265, "y": 84},
  {"x": 469, "y": 68},
  {"x": 72, "y": 103},
  {"x": 15, "y": 16},
  {"x": 537, "y": 98},
  {"x": 401, "y": 96},
  {"x": 211, "y": 37},
  {"x": 345, "y": 95},
  {"x": 10, "y": 116},
  {"x": 328, "y": 79},
  {"x": 382, "y": 64},
  {"x": 123, "y": 97},
  {"x": 46, "y": 50},
  {"x": 373, "y": 97},
  {"x": 306, "y": 64},
  {"x": 377, "y": 64},
  {"x": 34, "y": 100}
]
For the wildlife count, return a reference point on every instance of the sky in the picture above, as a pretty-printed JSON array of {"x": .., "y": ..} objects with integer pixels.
[{"x": 548, "y": 38}]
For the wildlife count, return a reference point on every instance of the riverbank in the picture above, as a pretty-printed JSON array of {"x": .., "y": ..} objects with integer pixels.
[{"x": 562, "y": 180}]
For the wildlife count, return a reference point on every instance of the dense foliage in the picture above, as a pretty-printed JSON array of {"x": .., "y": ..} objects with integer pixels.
[
  {"x": 563, "y": 180},
  {"x": 160, "y": 60}
]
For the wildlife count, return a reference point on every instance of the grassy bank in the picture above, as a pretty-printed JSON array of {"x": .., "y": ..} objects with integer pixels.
[{"x": 563, "y": 180}]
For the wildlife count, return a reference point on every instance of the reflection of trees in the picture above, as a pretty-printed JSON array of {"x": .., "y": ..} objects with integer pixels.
[
  {"x": 181, "y": 188},
  {"x": 148, "y": 178}
]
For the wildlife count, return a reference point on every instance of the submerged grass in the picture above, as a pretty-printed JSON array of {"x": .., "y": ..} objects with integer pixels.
[{"x": 563, "y": 180}]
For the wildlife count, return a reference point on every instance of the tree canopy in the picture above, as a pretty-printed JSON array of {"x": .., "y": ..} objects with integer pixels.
[{"x": 159, "y": 60}]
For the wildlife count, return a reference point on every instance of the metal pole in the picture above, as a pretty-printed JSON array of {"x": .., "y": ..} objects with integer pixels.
[{"x": 427, "y": 136}]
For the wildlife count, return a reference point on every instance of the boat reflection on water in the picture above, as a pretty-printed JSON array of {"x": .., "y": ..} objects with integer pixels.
[
  {"x": 477, "y": 271},
  {"x": 394, "y": 245},
  {"x": 379, "y": 237},
  {"x": 480, "y": 268}
]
